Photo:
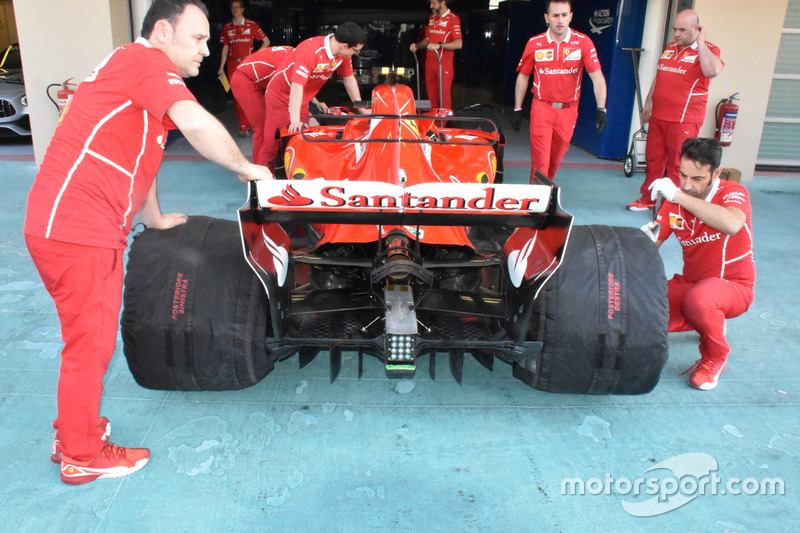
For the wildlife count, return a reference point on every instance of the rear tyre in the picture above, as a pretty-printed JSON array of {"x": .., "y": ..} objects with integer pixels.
[
  {"x": 195, "y": 315},
  {"x": 602, "y": 317}
]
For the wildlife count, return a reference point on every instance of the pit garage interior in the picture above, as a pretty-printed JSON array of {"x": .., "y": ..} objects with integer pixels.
[{"x": 300, "y": 452}]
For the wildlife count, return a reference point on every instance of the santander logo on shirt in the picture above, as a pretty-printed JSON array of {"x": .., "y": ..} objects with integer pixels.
[
  {"x": 676, "y": 70},
  {"x": 438, "y": 27},
  {"x": 705, "y": 237},
  {"x": 559, "y": 71}
]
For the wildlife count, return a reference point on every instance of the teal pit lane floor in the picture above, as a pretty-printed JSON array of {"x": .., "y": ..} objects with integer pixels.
[{"x": 297, "y": 453}]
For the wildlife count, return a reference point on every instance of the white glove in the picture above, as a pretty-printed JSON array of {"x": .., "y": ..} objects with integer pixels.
[
  {"x": 651, "y": 230},
  {"x": 663, "y": 186}
]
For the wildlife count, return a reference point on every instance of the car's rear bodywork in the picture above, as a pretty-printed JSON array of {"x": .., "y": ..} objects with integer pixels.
[{"x": 393, "y": 238}]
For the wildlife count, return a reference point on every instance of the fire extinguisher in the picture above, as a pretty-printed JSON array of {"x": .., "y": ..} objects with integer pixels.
[
  {"x": 726, "y": 114},
  {"x": 63, "y": 96}
]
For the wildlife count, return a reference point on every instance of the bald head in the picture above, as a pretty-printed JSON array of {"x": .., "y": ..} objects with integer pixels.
[
  {"x": 686, "y": 27},
  {"x": 689, "y": 16}
]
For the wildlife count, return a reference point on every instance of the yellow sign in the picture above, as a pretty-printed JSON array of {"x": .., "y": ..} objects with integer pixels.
[{"x": 223, "y": 79}]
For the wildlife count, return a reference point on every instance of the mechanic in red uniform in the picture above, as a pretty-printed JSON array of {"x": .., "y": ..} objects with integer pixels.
[
  {"x": 293, "y": 87},
  {"x": 711, "y": 219},
  {"x": 237, "y": 40},
  {"x": 676, "y": 104},
  {"x": 99, "y": 170},
  {"x": 248, "y": 83},
  {"x": 557, "y": 59},
  {"x": 442, "y": 36}
]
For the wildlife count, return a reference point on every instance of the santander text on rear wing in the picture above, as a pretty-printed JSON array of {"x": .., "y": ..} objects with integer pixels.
[{"x": 434, "y": 204}]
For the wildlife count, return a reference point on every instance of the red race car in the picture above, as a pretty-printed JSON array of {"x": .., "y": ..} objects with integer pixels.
[{"x": 394, "y": 237}]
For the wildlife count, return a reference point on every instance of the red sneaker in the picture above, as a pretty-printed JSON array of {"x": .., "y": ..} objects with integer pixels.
[
  {"x": 641, "y": 205},
  {"x": 55, "y": 453},
  {"x": 706, "y": 373},
  {"x": 113, "y": 461}
]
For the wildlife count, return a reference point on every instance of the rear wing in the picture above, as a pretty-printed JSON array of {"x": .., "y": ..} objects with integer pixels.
[{"x": 428, "y": 204}]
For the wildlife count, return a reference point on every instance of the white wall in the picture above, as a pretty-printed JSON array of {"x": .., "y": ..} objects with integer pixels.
[
  {"x": 652, "y": 43},
  {"x": 61, "y": 41},
  {"x": 748, "y": 35},
  {"x": 139, "y": 9}
]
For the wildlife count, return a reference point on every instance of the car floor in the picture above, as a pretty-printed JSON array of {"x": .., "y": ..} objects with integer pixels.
[{"x": 298, "y": 453}]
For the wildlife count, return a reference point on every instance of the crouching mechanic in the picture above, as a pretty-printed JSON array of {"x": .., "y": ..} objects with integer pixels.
[
  {"x": 99, "y": 170},
  {"x": 711, "y": 219}
]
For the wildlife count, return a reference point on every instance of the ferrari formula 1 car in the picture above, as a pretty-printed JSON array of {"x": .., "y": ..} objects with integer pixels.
[{"x": 394, "y": 237}]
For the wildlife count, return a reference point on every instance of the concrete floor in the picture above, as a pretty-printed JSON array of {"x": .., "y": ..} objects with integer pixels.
[{"x": 297, "y": 453}]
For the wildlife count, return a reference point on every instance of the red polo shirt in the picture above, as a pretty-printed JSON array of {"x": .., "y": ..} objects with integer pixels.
[
  {"x": 557, "y": 68},
  {"x": 681, "y": 90},
  {"x": 106, "y": 150}
]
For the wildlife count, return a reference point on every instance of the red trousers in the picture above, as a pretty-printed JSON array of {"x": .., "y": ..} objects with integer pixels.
[
  {"x": 551, "y": 132},
  {"x": 277, "y": 117},
  {"x": 86, "y": 285},
  {"x": 250, "y": 97},
  {"x": 703, "y": 307},
  {"x": 432, "y": 81},
  {"x": 230, "y": 68},
  {"x": 663, "y": 151}
]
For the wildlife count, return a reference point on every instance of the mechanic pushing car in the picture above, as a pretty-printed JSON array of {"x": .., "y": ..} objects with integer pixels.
[
  {"x": 248, "y": 83},
  {"x": 557, "y": 59},
  {"x": 99, "y": 170},
  {"x": 711, "y": 219},
  {"x": 290, "y": 91}
]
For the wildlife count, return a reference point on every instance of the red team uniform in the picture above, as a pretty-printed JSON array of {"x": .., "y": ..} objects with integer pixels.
[
  {"x": 313, "y": 64},
  {"x": 557, "y": 70},
  {"x": 248, "y": 83},
  {"x": 718, "y": 270},
  {"x": 441, "y": 29},
  {"x": 239, "y": 39},
  {"x": 679, "y": 108},
  {"x": 95, "y": 176}
]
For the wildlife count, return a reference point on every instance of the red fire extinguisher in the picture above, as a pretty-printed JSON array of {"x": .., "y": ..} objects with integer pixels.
[
  {"x": 64, "y": 94},
  {"x": 726, "y": 114}
]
